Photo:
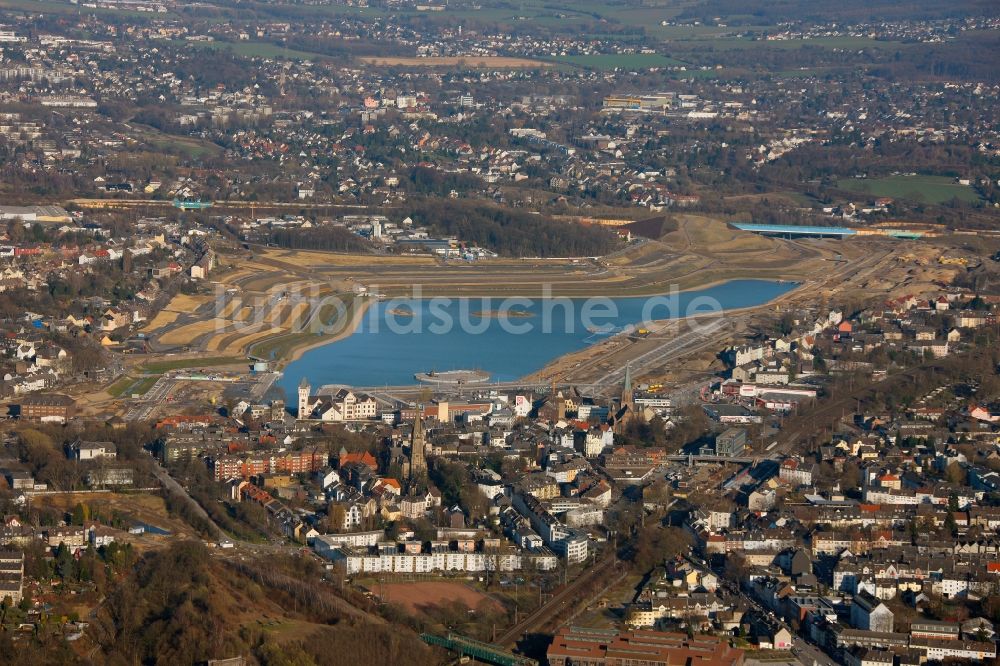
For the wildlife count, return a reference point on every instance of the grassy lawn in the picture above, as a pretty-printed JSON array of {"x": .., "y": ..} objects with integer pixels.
[
  {"x": 178, "y": 364},
  {"x": 620, "y": 60},
  {"x": 800, "y": 198},
  {"x": 144, "y": 384},
  {"x": 131, "y": 385},
  {"x": 169, "y": 142},
  {"x": 119, "y": 387},
  {"x": 928, "y": 189}
]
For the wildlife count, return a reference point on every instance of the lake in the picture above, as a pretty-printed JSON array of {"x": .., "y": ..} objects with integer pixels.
[{"x": 400, "y": 337}]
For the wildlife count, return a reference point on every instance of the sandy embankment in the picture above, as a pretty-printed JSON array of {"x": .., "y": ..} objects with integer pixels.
[
  {"x": 568, "y": 362},
  {"x": 358, "y": 310}
]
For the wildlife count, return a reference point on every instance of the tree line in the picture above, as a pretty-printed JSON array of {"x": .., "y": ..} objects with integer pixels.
[{"x": 512, "y": 233}]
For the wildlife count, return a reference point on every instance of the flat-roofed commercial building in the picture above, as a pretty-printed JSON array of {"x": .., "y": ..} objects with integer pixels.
[{"x": 582, "y": 646}]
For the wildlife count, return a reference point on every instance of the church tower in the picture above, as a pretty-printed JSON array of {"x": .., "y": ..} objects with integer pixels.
[
  {"x": 627, "y": 398},
  {"x": 418, "y": 462},
  {"x": 626, "y": 407},
  {"x": 304, "y": 389}
]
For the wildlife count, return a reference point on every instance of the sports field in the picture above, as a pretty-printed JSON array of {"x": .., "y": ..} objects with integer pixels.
[{"x": 926, "y": 189}]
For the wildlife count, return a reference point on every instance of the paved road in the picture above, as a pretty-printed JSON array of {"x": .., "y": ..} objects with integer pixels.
[
  {"x": 808, "y": 655},
  {"x": 152, "y": 398},
  {"x": 672, "y": 348},
  {"x": 277, "y": 545},
  {"x": 263, "y": 384},
  {"x": 142, "y": 409},
  {"x": 171, "y": 484}
]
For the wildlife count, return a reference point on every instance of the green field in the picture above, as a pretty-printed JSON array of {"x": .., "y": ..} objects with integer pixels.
[
  {"x": 119, "y": 387},
  {"x": 620, "y": 60},
  {"x": 732, "y": 43},
  {"x": 49, "y": 6},
  {"x": 927, "y": 189},
  {"x": 144, "y": 384},
  {"x": 130, "y": 385},
  {"x": 687, "y": 32},
  {"x": 189, "y": 146}
]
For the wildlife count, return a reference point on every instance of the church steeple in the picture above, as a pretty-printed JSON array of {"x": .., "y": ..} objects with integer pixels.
[
  {"x": 627, "y": 386},
  {"x": 418, "y": 462},
  {"x": 626, "y": 408}
]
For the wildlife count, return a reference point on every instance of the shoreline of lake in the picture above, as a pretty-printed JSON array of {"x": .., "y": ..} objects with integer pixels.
[{"x": 394, "y": 350}]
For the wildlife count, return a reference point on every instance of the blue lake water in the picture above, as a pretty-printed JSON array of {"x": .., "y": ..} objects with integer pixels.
[{"x": 400, "y": 337}]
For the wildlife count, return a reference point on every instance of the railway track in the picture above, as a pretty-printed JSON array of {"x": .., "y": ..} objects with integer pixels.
[{"x": 560, "y": 601}]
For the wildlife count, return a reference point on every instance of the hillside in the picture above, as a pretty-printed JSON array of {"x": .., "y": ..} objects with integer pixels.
[{"x": 182, "y": 606}]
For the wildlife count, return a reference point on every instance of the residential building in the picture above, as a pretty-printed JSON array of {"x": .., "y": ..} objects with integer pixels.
[
  {"x": 870, "y": 614},
  {"x": 52, "y": 407},
  {"x": 731, "y": 442}
]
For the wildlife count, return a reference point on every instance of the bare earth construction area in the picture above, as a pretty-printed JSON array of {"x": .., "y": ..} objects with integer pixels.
[
  {"x": 268, "y": 302},
  {"x": 416, "y": 597}
]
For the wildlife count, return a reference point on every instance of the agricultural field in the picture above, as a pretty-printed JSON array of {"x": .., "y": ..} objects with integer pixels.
[
  {"x": 609, "y": 61},
  {"x": 50, "y": 7},
  {"x": 927, "y": 189}
]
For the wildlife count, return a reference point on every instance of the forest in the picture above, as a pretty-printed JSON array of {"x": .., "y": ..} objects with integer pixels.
[
  {"x": 512, "y": 232},
  {"x": 336, "y": 239}
]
